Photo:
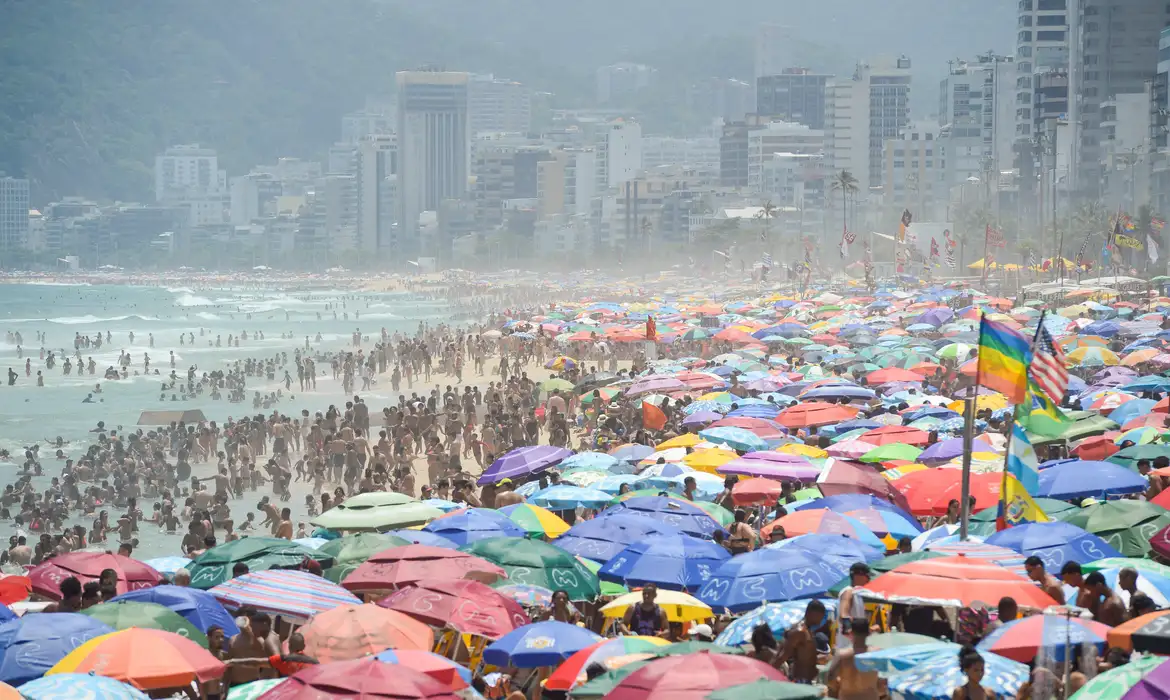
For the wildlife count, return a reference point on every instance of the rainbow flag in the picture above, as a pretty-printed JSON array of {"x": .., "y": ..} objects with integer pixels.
[{"x": 1004, "y": 355}]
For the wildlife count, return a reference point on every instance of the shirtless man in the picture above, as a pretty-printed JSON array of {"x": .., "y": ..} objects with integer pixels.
[
  {"x": 271, "y": 517},
  {"x": 846, "y": 681},
  {"x": 1034, "y": 565},
  {"x": 256, "y": 639},
  {"x": 285, "y": 530},
  {"x": 505, "y": 496},
  {"x": 1111, "y": 609},
  {"x": 801, "y": 644}
]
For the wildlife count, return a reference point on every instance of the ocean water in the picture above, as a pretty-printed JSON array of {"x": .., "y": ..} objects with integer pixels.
[{"x": 29, "y": 413}]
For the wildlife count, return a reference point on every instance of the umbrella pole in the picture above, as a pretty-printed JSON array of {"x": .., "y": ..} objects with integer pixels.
[{"x": 968, "y": 438}]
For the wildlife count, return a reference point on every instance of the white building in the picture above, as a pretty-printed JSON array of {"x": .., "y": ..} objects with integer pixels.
[
  {"x": 621, "y": 81},
  {"x": 181, "y": 170},
  {"x": 701, "y": 153},
  {"x": 14, "y": 213},
  {"x": 566, "y": 184},
  {"x": 495, "y": 104},
  {"x": 862, "y": 112},
  {"x": 779, "y": 137},
  {"x": 376, "y": 192},
  {"x": 915, "y": 167},
  {"x": 434, "y": 147},
  {"x": 619, "y": 153},
  {"x": 976, "y": 119},
  {"x": 1042, "y": 53}
]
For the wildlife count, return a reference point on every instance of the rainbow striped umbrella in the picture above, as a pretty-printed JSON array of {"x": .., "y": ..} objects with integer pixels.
[{"x": 294, "y": 594}]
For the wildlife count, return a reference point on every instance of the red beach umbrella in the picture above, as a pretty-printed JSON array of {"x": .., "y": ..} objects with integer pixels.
[
  {"x": 958, "y": 581},
  {"x": 814, "y": 413},
  {"x": 46, "y": 577},
  {"x": 928, "y": 491},
  {"x": 755, "y": 492},
  {"x": 402, "y": 566},
  {"x": 367, "y": 679},
  {"x": 691, "y": 677},
  {"x": 889, "y": 434},
  {"x": 842, "y": 476},
  {"x": 356, "y": 631},
  {"x": 469, "y": 606}
]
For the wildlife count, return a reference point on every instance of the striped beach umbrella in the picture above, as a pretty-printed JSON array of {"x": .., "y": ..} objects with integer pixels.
[{"x": 297, "y": 595}]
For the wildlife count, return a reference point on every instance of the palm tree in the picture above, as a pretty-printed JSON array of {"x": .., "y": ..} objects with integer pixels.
[
  {"x": 845, "y": 183},
  {"x": 972, "y": 218},
  {"x": 647, "y": 231},
  {"x": 766, "y": 213}
]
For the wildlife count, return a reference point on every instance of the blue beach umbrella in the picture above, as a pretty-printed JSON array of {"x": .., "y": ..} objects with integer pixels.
[
  {"x": 633, "y": 453},
  {"x": 422, "y": 537},
  {"x": 613, "y": 484},
  {"x": 840, "y": 550},
  {"x": 31, "y": 645},
  {"x": 845, "y": 502},
  {"x": 79, "y": 686},
  {"x": 598, "y": 460},
  {"x": 937, "y": 676},
  {"x": 442, "y": 504},
  {"x": 677, "y": 563},
  {"x": 567, "y": 497},
  {"x": 601, "y": 538},
  {"x": 200, "y": 608},
  {"x": 735, "y": 438},
  {"x": 754, "y": 410},
  {"x": 1054, "y": 542},
  {"x": 903, "y": 658},
  {"x": 768, "y": 576},
  {"x": 683, "y": 515},
  {"x": 474, "y": 524},
  {"x": 1130, "y": 410},
  {"x": 6, "y": 613},
  {"x": 779, "y": 617},
  {"x": 1073, "y": 480},
  {"x": 539, "y": 644}
]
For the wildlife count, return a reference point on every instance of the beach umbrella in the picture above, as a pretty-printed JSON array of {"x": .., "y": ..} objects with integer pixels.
[
  {"x": 841, "y": 477},
  {"x": 954, "y": 581},
  {"x": 1116, "y": 683},
  {"x": 929, "y": 491},
  {"x": 691, "y": 676},
  {"x": 601, "y": 538},
  {"x": 167, "y": 565},
  {"x": 839, "y": 550},
  {"x": 447, "y": 672},
  {"x": 886, "y": 522},
  {"x": 1148, "y": 633},
  {"x": 823, "y": 522},
  {"x": 569, "y": 497},
  {"x": 572, "y": 671},
  {"x": 756, "y": 491},
  {"x": 77, "y": 686},
  {"x": 376, "y": 510},
  {"x": 556, "y": 384},
  {"x": 1021, "y": 640},
  {"x": 679, "y": 606},
  {"x": 214, "y": 566},
  {"x": 350, "y": 551},
  {"x": 813, "y": 414},
  {"x": 904, "y": 657},
  {"x": 1092, "y": 357},
  {"x": 367, "y": 679},
  {"x": 295, "y": 595},
  {"x": 122, "y": 615},
  {"x": 523, "y": 462},
  {"x": 1128, "y": 526},
  {"x": 891, "y": 451},
  {"x": 676, "y": 562},
  {"x": 147, "y": 659},
  {"x": 402, "y": 566},
  {"x": 200, "y": 608},
  {"x": 851, "y": 449},
  {"x": 1054, "y": 542},
  {"x": 764, "y": 689},
  {"x": 539, "y": 644},
  {"x": 46, "y": 577},
  {"x": 938, "y": 676},
  {"x": 771, "y": 465},
  {"x": 538, "y": 564},
  {"x": 474, "y": 524},
  {"x": 536, "y": 521},
  {"x": 779, "y": 617},
  {"x": 767, "y": 576},
  {"x": 31, "y": 645},
  {"x": 590, "y": 460},
  {"x": 901, "y": 434},
  {"x": 845, "y": 502},
  {"x": 683, "y": 515},
  {"x": 1075, "y": 480},
  {"x": 14, "y": 589},
  {"x": 425, "y": 538},
  {"x": 468, "y": 606},
  {"x": 354, "y": 631}
]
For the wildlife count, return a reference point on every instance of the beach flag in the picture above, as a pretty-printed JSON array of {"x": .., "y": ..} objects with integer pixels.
[
  {"x": 1004, "y": 355},
  {"x": 1040, "y": 415},
  {"x": 652, "y": 416},
  {"x": 907, "y": 219},
  {"x": 1016, "y": 506},
  {"x": 1152, "y": 248},
  {"x": 1048, "y": 370},
  {"x": 933, "y": 248},
  {"x": 1022, "y": 462}
]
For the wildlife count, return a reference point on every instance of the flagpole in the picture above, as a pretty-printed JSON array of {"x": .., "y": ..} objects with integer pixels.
[{"x": 968, "y": 442}]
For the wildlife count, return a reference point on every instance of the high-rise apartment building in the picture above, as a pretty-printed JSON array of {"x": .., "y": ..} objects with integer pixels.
[
  {"x": 14, "y": 208},
  {"x": 183, "y": 170},
  {"x": 434, "y": 146},
  {"x": 862, "y": 113},
  {"x": 720, "y": 98},
  {"x": 795, "y": 95},
  {"x": 976, "y": 118},
  {"x": 378, "y": 196},
  {"x": 494, "y": 104}
]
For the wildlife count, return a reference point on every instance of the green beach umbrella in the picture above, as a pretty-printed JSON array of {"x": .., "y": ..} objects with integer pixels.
[
  {"x": 765, "y": 689},
  {"x": 377, "y": 510},
  {"x": 556, "y": 384},
  {"x": 606, "y": 393},
  {"x": 214, "y": 566},
  {"x": 894, "y": 640},
  {"x": 253, "y": 690},
  {"x": 638, "y": 493},
  {"x": 1148, "y": 566},
  {"x": 602, "y": 685},
  {"x": 955, "y": 351},
  {"x": 1116, "y": 682},
  {"x": 1130, "y": 455},
  {"x": 1126, "y": 525},
  {"x": 723, "y": 516},
  {"x": 351, "y": 551},
  {"x": 126, "y": 614},
  {"x": 892, "y": 451},
  {"x": 537, "y": 563},
  {"x": 609, "y": 589},
  {"x": 1052, "y": 507},
  {"x": 809, "y": 493}
]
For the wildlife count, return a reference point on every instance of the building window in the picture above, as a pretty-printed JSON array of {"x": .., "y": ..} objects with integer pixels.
[
  {"x": 1049, "y": 36},
  {"x": 1049, "y": 5},
  {"x": 1025, "y": 36},
  {"x": 1025, "y": 20},
  {"x": 1050, "y": 21}
]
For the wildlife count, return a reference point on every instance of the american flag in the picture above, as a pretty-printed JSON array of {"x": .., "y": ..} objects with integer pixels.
[
  {"x": 766, "y": 261},
  {"x": 1048, "y": 370}
]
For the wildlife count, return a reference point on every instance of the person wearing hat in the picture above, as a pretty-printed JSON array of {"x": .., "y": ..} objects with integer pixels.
[
  {"x": 849, "y": 605},
  {"x": 702, "y": 632},
  {"x": 505, "y": 496}
]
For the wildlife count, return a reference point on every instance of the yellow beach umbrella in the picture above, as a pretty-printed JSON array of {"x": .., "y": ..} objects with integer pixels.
[
  {"x": 798, "y": 448},
  {"x": 679, "y": 606},
  {"x": 991, "y": 402},
  {"x": 684, "y": 440},
  {"x": 709, "y": 460}
]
